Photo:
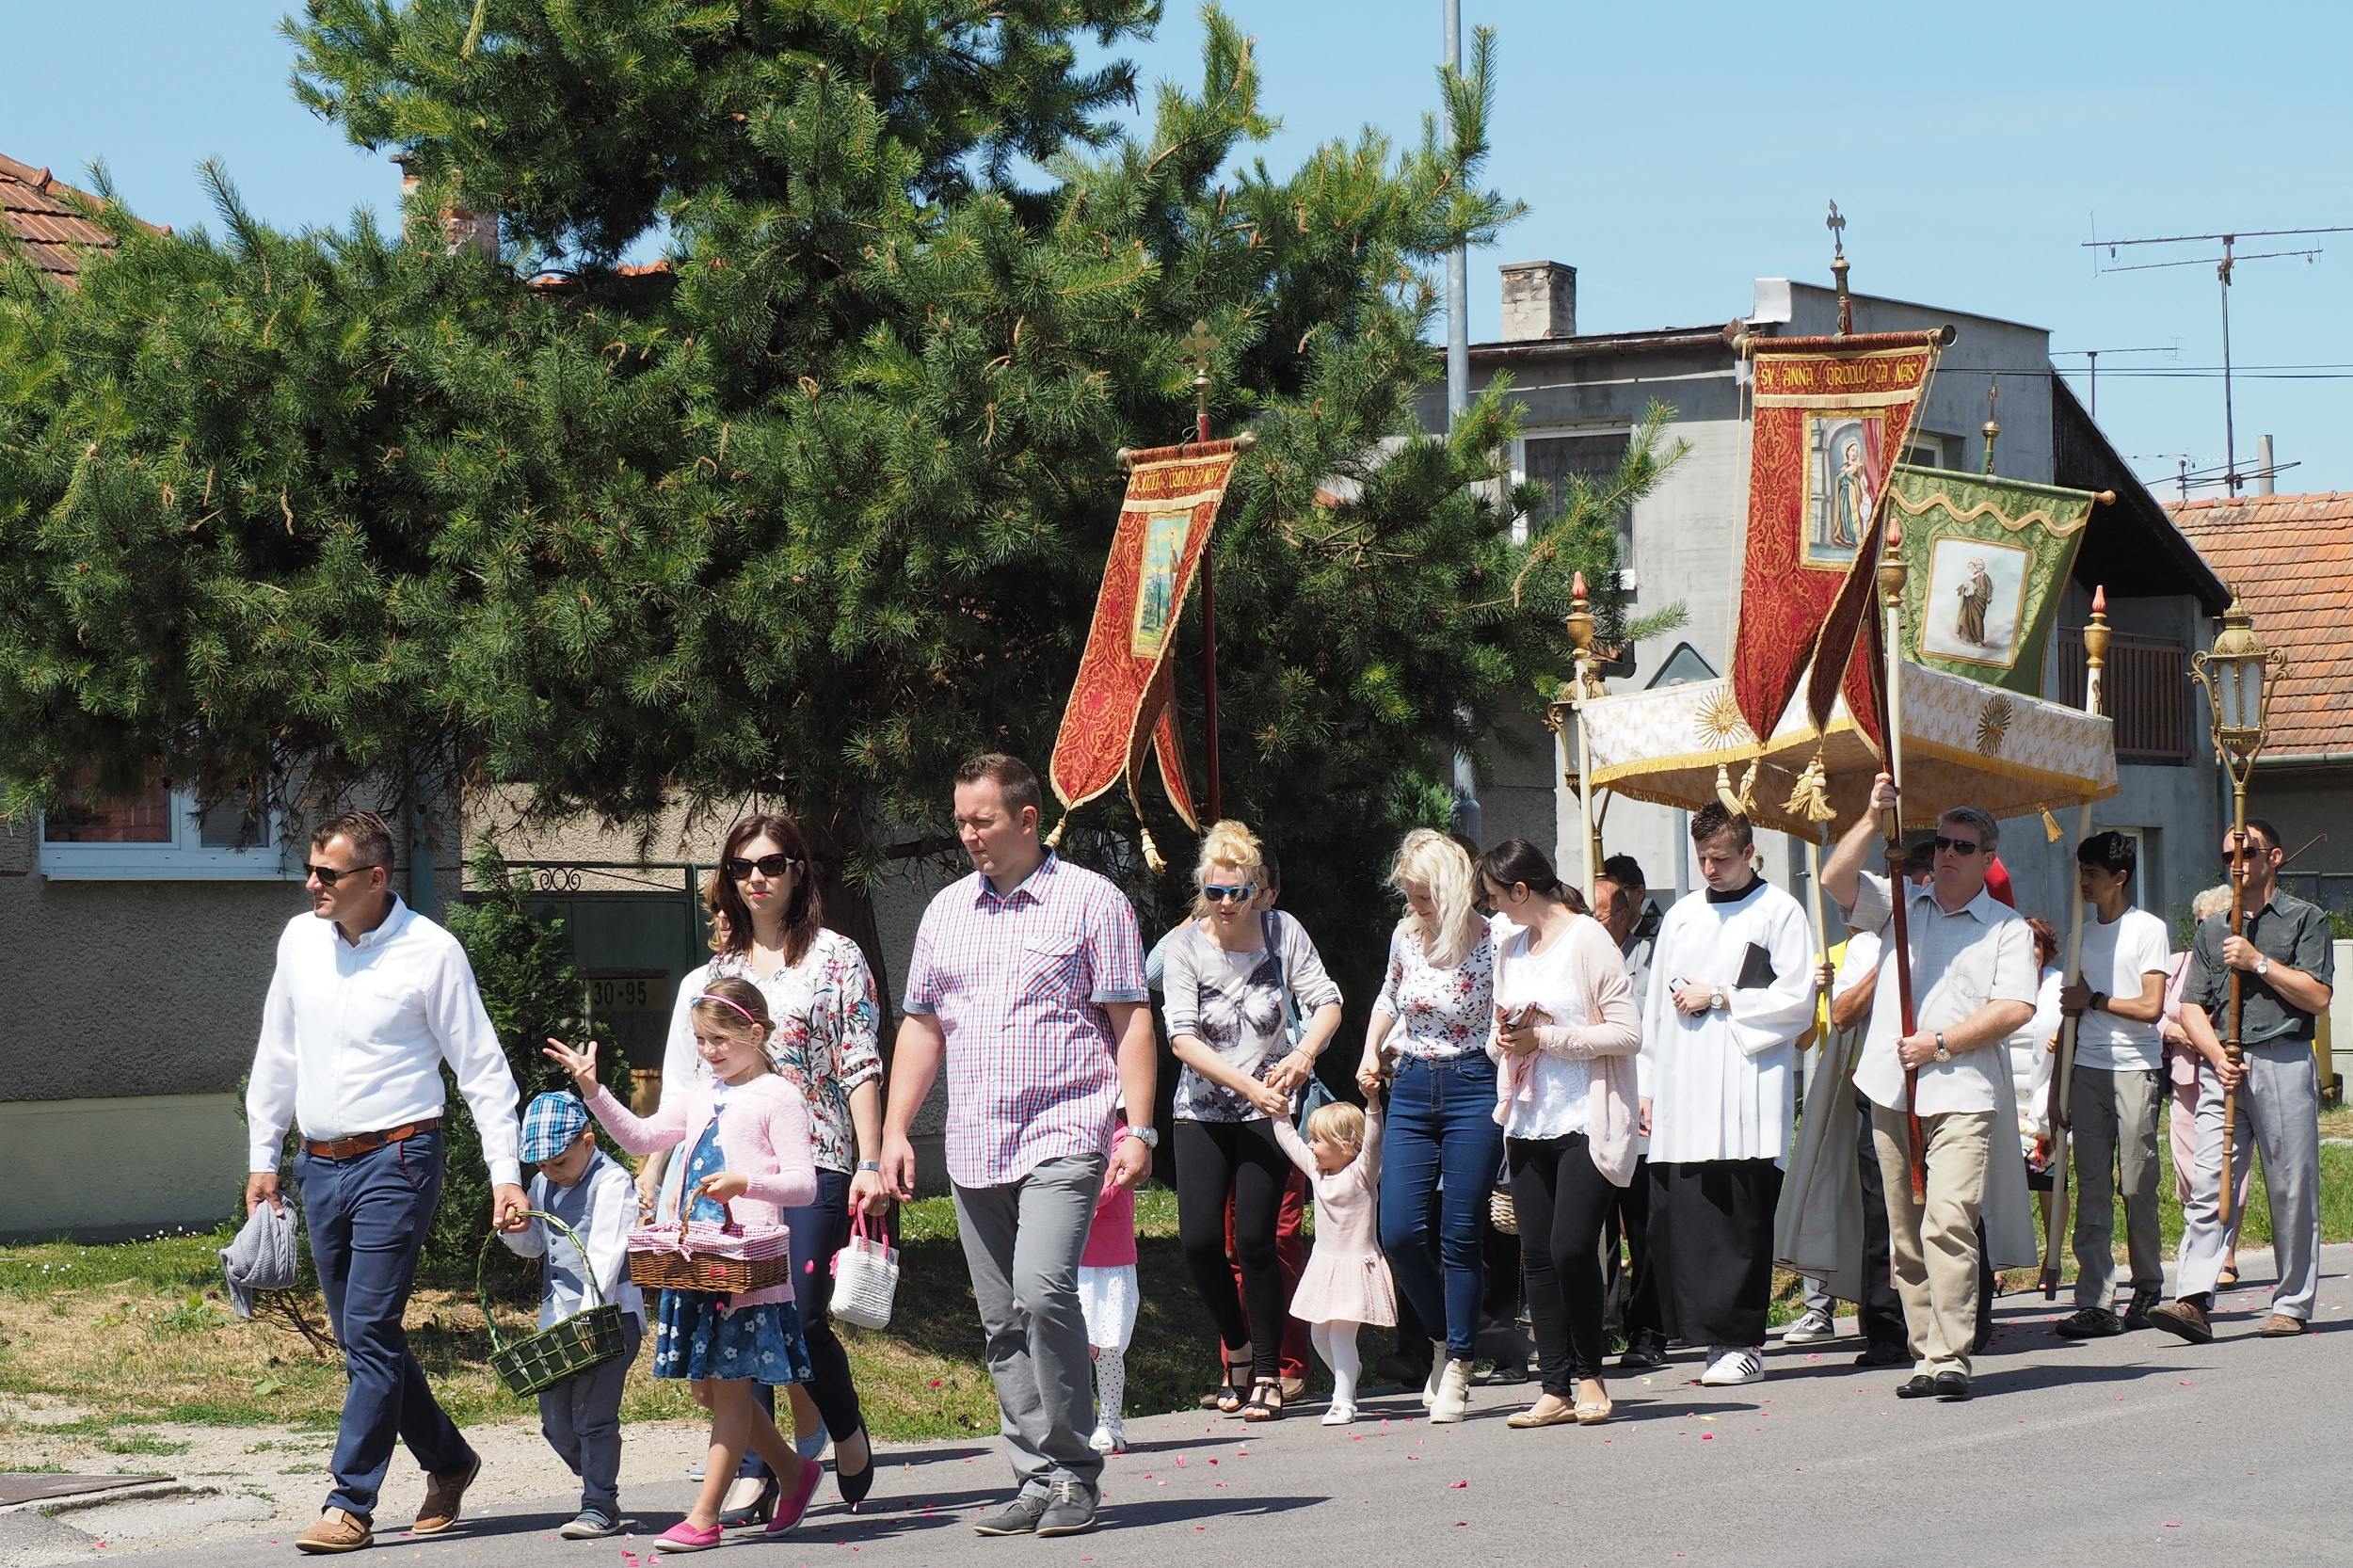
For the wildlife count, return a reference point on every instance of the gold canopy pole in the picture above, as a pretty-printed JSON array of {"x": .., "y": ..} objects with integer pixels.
[
  {"x": 1587, "y": 685},
  {"x": 2063, "y": 1073}
]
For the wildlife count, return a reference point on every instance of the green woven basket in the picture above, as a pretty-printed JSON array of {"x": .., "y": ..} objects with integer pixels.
[{"x": 581, "y": 1342}]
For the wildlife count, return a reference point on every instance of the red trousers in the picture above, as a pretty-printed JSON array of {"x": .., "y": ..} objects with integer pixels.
[{"x": 1291, "y": 1256}]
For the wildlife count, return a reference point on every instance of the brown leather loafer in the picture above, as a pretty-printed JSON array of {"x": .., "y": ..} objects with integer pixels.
[
  {"x": 2187, "y": 1319},
  {"x": 2280, "y": 1327},
  {"x": 336, "y": 1531},
  {"x": 444, "y": 1495}
]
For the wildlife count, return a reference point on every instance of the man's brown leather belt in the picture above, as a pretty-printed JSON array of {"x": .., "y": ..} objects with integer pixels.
[{"x": 364, "y": 1142}]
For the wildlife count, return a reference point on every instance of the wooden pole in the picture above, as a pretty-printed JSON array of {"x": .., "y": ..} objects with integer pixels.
[
  {"x": 2231, "y": 1046},
  {"x": 1580, "y": 624},
  {"x": 2096, "y": 637},
  {"x": 1198, "y": 347},
  {"x": 1892, "y": 573}
]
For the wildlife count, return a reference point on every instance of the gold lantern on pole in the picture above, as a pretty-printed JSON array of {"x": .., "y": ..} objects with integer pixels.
[{"x": 2238, "y": 675}]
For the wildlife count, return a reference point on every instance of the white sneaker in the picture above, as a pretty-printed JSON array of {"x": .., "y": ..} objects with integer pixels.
[
  {"x": 1340, "y": 1415},
  {"x": 1729, "y": 1368},
  {"x": 1812, "y": 1328},
  {"x": 1108, "y": 1440}
]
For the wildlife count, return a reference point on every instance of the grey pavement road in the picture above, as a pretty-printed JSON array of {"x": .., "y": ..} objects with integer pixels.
[{"x": 2125, "y": 1452}]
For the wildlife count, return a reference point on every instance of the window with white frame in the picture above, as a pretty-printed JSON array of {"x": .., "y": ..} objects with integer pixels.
[
  {"x": 159, "y": 834},
  {"x": 1549, "y": 456}
]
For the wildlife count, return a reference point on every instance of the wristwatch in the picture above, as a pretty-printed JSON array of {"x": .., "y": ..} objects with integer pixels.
[
  {"x": 1715, "y": 1000},
  {"x": 870, "y": 1165},
  {"x": 1149, "y": 1137},
  {"x": 1942, "y": 1054},
  {"x": 2099, "y": 1003},
  {"x": 2263, "y": 968}
]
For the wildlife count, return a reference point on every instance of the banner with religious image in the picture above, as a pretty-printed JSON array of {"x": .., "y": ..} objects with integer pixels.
[
  {"x": 1988, "y": 559},
  {"x": 1832, "y": 415},
  {"x": 1124, "y": 700}
]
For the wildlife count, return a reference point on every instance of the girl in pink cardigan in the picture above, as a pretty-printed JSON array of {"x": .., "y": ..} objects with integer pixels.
[{"x": 748, "y": 1132}]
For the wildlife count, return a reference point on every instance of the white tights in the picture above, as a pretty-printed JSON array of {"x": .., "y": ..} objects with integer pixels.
[
  {"x": 1111, "y": 1386},
  {"x": 1335, "y": 1344}
]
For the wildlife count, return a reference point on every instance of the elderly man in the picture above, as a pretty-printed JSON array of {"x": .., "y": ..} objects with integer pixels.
[
  {"x": 368, "y": 1001},
  {"x": 2285, "y": 973},
  {"x": 1973, "y": 984},
  {"x": 1026, "y": 984}
]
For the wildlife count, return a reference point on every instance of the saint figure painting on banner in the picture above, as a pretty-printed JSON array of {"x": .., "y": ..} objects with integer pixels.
[
  {"x": 1163, "y": 551},
  {"x": 1844, "y": 481},
  {"x": 1977, "y": 592}
]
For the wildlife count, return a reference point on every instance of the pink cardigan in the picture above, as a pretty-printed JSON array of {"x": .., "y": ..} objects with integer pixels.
[
  {"x": 1608, "y": 1044},
  {"x": 764, "y": 1126}
]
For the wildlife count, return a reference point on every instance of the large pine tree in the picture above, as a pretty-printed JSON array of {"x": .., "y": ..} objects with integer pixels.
[{"x": 812, "y": 508}]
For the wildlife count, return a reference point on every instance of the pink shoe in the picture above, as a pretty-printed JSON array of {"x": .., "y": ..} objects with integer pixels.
[
  {"x": 684, "y": 1537},
  {"x": 789, "y": 1509}
]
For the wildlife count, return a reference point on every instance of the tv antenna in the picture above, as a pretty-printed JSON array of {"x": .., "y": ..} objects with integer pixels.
[
  {"x": 2222, "y": 265},
  {"x": 2091, "y": 358}
]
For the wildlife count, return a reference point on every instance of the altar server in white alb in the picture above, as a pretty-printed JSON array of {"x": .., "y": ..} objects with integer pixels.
[{"x": 1731, "y": 989}]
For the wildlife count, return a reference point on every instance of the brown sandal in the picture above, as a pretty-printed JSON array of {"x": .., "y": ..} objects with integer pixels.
[{"x": 1266, "y": 1400}]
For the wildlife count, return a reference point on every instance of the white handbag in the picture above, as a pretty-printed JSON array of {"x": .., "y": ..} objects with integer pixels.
[{"x": 865, "y": 1279}]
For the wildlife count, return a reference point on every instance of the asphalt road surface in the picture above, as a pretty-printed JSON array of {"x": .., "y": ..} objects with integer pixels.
[{"x": 2124, "y": 1452}]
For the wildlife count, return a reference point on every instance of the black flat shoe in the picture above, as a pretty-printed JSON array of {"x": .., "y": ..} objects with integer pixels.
[
  {"x": 1952, "y": 1387},
  {"x": 1884, "y": 1356},
  {"x": 855, "y": 1487},
  {"x": 758, "y": 1512},
  {"x": 1919, "y": 1387}
]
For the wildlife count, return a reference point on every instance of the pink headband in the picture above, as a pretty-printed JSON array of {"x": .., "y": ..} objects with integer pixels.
[{"x": 725, "y": 1002}]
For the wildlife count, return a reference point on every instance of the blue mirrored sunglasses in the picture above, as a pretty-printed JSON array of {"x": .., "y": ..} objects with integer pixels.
[{"x": 1243, "y": 894}]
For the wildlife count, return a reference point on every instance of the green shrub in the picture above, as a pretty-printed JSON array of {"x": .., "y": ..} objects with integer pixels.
[{"x": 532, "y": 989}]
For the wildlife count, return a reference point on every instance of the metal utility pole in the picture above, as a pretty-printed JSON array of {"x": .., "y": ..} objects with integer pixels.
[
  {"x": 1457, "y": 266},
  {"x": 2223, "y": 264}
]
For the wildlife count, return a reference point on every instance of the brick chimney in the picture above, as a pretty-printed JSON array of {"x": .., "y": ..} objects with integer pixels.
[
  {"x": 1539, "y": 300},
  {"x": 459, "y": 226}
]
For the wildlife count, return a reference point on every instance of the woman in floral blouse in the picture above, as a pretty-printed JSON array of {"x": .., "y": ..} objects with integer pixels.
[
  {"x": 1434, "y": 1016},
  {"x": 765, "y": 929}
]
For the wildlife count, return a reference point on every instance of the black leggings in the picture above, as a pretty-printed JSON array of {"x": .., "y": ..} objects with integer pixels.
[
  {"x": 1215, "y": 1159},
  {"x": 1563, "y": 1203}
]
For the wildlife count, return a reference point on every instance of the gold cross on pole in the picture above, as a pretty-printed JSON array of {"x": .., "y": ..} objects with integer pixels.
[
  {"x": 1837, "y": 227},
  {"x": 1198, "y": 345}
]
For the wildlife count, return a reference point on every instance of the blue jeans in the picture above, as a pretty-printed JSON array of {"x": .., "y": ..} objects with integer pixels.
[
  {"x": 819, "y": 1231},
  {"x": 1440, "y": 1151},
  {"x": 367, "y": 1217}
]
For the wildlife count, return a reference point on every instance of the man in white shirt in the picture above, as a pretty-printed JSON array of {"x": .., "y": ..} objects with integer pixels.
[
  {"x": 1731, "y": 988},
  {"x": 1973, "y": 984},
  {"x": 2117, "y": 1092},
  {"x": 368, "y": 1001}
]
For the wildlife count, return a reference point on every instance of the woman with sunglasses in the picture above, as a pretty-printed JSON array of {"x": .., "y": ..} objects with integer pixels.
[
  {"x": 765, "y": 929},
  {"x": 1224, "y": 1005}
]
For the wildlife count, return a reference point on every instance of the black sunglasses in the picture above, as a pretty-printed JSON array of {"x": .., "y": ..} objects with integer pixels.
[
  {"x": 1959, "y": 846},
  {"x": 329, "y": 876},
  {"x": 740, "y": 869}
]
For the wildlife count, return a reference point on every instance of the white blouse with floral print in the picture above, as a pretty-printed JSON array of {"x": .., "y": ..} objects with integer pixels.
[
  {"x": 1440, "y": 1013},
  {"x": 826, "y": 1039}
]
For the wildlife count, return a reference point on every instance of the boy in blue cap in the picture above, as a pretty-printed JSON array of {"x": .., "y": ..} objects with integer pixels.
[{"x": 589, "y": 1191}]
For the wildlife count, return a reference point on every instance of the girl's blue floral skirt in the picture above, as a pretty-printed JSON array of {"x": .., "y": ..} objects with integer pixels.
[{"x": 693, "y": 1339}]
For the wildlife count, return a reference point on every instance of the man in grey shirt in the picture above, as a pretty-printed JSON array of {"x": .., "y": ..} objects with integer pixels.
[{"x": 2284, "y": 970}]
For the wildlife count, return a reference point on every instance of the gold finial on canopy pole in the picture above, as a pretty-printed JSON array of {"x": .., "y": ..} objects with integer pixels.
[{"x": 1837, "y": 224}]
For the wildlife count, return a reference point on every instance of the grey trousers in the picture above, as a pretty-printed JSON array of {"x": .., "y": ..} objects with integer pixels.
[
  {"x": 581, "y": 1418},
  {"x": 2115, "y": 1115},
  {"x": 2279, "y": 1113},
  {"x": 1022, "y": 1242}
]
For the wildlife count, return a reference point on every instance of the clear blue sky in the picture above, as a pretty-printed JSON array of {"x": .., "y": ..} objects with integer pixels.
[{"x": 1670, "y": 152}]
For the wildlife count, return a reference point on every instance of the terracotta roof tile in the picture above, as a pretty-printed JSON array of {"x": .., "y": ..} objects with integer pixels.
[
  {"x": 40, "y": 212},
  {"x": 2290, "y": 558}
]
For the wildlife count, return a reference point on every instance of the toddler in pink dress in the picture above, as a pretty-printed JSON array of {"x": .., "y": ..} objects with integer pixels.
[{"x": 1346, "y": 1284}]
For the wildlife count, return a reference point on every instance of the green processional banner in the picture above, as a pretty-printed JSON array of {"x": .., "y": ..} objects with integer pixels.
[{"x": 1988, "y": 559}]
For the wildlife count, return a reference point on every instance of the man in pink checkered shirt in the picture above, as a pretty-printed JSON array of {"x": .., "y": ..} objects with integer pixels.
[{"x": 1028, "y": 983}]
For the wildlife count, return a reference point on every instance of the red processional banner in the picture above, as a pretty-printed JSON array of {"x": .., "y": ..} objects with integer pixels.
[
  {"x": 1831, "y": 421},
  {"x": 1124, "y": 700}
]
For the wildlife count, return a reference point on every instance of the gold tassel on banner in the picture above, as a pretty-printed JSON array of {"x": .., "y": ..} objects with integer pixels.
[
  {"x": 1723, "y": 789},
  {"x": 1151, "y": 851},
  {"x": 1810, "y": 799},
  {"x": 1053, "y": 840},
  {"x": 2050, "y": 827},
  {"x": 1741, "y": 802}
]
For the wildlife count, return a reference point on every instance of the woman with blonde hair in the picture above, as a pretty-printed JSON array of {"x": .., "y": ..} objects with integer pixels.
[
  {"x": 1235, "y": 978},
  {"x": 1435, "y": 1017}
]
